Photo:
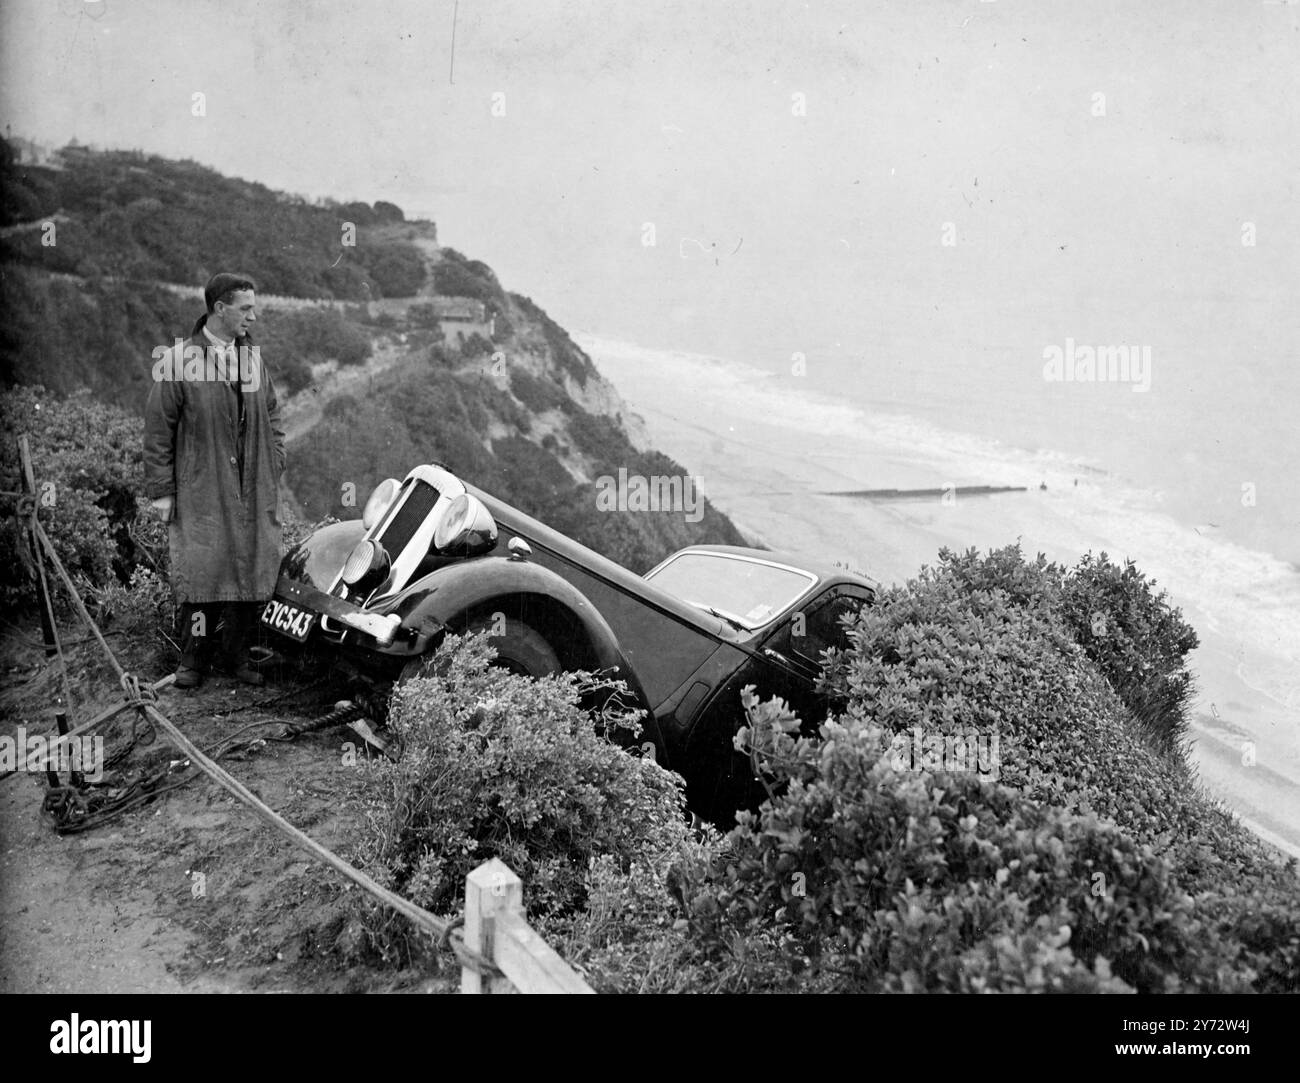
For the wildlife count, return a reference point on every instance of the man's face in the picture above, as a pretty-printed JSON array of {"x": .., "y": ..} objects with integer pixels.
[{"x": 236, "y": 317}]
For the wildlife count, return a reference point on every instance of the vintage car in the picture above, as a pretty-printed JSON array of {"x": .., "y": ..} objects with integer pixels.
[{"x": 432, "y": 554}]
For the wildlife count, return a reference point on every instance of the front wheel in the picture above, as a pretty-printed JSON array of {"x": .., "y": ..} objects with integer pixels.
[{"x": 520, "y": 649}]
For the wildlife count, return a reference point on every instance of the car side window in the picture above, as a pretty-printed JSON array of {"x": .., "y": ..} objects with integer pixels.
[{"x": 823, "y": 625}]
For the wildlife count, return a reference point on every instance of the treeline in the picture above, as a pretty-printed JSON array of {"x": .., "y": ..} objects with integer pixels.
[{"x": 130, "y": 215}]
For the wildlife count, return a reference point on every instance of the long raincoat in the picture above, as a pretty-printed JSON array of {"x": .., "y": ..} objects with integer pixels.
[{"x": 224, "y": 535}]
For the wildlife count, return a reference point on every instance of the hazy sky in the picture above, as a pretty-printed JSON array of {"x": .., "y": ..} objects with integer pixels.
[{"x": 798, "y": 161}]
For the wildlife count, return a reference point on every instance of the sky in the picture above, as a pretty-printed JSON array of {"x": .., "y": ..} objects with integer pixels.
[{"x": 794, "y": 164}]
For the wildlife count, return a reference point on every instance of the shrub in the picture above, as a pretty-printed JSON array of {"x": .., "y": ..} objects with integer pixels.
[
  {"x": 398, "y": 269},
  {"x": 475, "y": 346},
  {"x": 88, "y": 462},
  {"x": 539, "y": 395},
  {"x": 494, "y": 764},
  {"x": 1138, "y": 641},
  {"x": 454, "y": 276},
  {"x": 141, "y": 609},
  {"x": 310, "y": 336},
  {"x": 909, "y": 881}
]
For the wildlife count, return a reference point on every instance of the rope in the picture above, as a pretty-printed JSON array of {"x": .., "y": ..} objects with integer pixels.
[
  {"x": 143, "y": 698},
  {"x": 48, "y": 601}
]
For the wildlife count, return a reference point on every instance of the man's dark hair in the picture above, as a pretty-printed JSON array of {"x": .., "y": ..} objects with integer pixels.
[{"x": 224, "y": 286}]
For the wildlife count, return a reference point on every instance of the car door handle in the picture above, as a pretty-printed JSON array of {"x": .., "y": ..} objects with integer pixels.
[{"x": 777, "y": 656}]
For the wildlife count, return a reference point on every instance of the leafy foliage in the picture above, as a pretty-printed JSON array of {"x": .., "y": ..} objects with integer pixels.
[
  {"x": 87, "y": 458},
  {"x": 498, "y": 765},
  {"x": 1137, "y": 640},
  {"x": 1054, "y": 872}
]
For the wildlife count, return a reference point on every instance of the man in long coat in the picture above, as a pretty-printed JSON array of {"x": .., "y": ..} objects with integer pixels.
[{"x": 213, "y": 456}]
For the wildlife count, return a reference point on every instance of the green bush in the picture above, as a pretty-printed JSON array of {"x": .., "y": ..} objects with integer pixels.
[
  {"x": 455, "y": 276},
  {"x": 536, "y": 393},
  {"x": 906, "y": 881},
  {"x": 1137, "y": 640},
  {"x": 398, "y": 269},
  {"x": 88, "y": 462},
  {"x": 311, "y": 335},
  {"x": 498, "y": 765}
]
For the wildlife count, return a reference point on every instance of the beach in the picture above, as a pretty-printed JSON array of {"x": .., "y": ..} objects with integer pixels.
[{"x": 771, "y": 454}]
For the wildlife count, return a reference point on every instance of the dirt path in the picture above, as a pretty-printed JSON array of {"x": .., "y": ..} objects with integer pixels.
[{"x": 192, "y": 892}]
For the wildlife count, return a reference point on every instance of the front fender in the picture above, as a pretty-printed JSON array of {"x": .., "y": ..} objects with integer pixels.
[
  {"x": 320, "y": 556},
  {"x": 450, "y": 597}
]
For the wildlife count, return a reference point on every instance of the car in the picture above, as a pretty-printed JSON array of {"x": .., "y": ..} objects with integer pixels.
[{"x": 432, "y": 554}]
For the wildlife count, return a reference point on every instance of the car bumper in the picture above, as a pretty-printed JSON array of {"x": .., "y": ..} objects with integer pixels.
[{"x": 381, "y": 627}]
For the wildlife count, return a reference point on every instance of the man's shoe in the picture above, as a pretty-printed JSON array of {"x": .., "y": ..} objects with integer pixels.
[{"x": 188, "y": 677}]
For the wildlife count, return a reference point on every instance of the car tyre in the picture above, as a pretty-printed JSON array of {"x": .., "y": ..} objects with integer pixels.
[{"x": 520, "y": 649}]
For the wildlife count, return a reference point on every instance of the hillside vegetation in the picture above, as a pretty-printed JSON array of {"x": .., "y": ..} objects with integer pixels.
[{"x": 526, "y": 415}]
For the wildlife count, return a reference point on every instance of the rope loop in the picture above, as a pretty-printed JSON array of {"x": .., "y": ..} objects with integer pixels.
[{"x": 137, "y": 692}]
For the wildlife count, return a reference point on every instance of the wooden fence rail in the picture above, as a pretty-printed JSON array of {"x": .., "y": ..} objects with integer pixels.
[{"x": 496, "y": 929}]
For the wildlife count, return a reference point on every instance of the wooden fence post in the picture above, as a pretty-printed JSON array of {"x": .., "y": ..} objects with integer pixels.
[
  {"x": 495, "y": 928},
  {"x": 490, "y": 889}
]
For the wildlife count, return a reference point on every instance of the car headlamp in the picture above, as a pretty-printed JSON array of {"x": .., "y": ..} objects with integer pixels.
[
  {"x": 379, "y": 501},
  {"x": 467, "y": 525},
  {"x": 366, "y": 561}
]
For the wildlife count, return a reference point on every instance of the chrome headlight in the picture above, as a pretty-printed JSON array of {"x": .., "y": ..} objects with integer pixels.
[
  {"x": 379, "y": 501},
  {"x": 467, "y": 525},
  {"x": 366, "y": 561}
]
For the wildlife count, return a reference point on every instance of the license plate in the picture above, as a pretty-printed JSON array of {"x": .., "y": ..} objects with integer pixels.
[{"x": 288, "y": 619}]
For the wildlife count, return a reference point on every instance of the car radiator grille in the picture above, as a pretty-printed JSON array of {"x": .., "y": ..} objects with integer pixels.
[{"x": 413, "y": 512}]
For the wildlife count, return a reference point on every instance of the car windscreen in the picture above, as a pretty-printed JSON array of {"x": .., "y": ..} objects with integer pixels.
[{"x": 749, "y": 591}]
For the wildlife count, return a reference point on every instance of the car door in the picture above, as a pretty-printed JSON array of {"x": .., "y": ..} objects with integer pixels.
[{"x": 786, "y": 664}]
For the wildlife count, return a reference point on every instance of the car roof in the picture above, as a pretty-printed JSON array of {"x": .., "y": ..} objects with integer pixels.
[{"x": 827, "y": 574}]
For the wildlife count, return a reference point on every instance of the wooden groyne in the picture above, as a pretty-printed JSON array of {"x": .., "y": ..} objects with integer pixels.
[{"x": 917, "y": 494}]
